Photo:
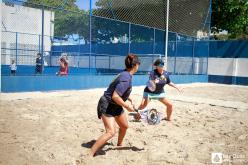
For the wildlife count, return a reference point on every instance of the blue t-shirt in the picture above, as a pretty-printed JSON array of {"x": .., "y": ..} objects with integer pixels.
[
  {"x": 122, "y": 84},
  {"x": 163, "y": 80}
]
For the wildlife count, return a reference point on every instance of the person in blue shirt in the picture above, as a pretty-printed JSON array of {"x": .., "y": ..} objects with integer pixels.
[
  {"x": 110, "y": 105},
  {"x": 155, "y": 90}
]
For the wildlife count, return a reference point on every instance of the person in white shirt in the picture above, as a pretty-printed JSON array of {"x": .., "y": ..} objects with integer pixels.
[{"x": 13, "y": 68}]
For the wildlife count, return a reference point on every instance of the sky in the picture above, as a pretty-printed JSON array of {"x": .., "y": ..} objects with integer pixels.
[
  {"x": 85, "y": 4},
  {"x": 82, "y": 4}
]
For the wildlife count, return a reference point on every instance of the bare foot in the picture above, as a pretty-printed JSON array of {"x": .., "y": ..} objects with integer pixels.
[
  {"x": 137, "y": 117},
  {"x": 165, "y": 118},
  {"x": 89, "y": 154},
  {"x": 84, "y": 158}
]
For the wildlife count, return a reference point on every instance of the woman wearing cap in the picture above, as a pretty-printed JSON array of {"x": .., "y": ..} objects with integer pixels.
[
  {"x": 110, "y": 105},
  {"x": 155, "y": 88}
]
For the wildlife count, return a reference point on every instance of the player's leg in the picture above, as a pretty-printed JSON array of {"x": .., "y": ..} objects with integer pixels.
[
  {"x": 168, "y": 105},
  {"x": 123, "y": 124},
  {"x": 109, "y": 123},
  {"x": 144, "y": 102}
]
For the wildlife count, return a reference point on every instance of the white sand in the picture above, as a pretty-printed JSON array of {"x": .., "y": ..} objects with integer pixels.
[{"x": 58, "y": 128}]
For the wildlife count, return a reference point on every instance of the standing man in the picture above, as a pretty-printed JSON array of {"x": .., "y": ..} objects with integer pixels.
[
  {"x": 38, "y": 68},
  {"x": 13, "y": 68}
]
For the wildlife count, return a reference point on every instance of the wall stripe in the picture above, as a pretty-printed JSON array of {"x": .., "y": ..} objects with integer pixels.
[
  {"x": 228, "y": 79},
  {"x": 46, "y": 83}
]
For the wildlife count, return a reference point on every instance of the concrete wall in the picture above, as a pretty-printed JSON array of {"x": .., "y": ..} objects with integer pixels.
[
  {"x": 23, "y": 25},
  {"x": 1, "y": 48},
  {"x": 228, "y": 70},
  {"x": 104, "y": 62}
]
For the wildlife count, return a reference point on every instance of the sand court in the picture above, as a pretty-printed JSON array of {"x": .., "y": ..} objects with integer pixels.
[{"x": 59, "y": 127}]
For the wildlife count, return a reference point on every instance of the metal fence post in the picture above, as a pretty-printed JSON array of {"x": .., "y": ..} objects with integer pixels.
[
  {"x": 42, "y": 39},
  {"x": 193, "y": 56},
  {"x": 78, "y": 51},
  {"x": 16, "y": 48},
  {"x": 109, "y": 62},
  {"x": 154, "y": 42},
  {"x": 129, "y": 38},
  {"x": 90, "y": 28},
  {"x": 208, "y": 57},
  {"x": 39, "y": 42},
  {"x": 209, "y": 28},
  {"x": 175, "y": 57},
  {"x": 235, "y": 70}
]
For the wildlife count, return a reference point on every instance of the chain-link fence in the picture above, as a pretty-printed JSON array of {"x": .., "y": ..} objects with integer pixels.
[{"x": 97, "y": 42}]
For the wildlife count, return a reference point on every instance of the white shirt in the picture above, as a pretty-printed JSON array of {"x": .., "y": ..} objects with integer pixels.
[{"x": 13, "y": 66}]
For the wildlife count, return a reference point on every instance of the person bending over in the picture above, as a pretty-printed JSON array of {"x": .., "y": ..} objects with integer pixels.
[{"x": 111, "y": 104}]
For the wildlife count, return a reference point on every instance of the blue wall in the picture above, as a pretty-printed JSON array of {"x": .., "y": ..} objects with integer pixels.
[
  {"x": 228, "y": 80},
  {"x": 29, "y": 70},
  {"x": 46, "y": 83},
  {"x": 219, "y": 49},
  {"x": 229, "y": 49}
]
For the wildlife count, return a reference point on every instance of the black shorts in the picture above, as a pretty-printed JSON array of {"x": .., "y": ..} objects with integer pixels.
[
  {"x": 38, "y": 69},
  {"x": 13, "y": 72},
  {"x": 108, "y": 109}
]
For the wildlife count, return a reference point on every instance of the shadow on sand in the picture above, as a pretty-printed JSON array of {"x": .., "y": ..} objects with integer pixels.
[{"x": 103, "y": 152}]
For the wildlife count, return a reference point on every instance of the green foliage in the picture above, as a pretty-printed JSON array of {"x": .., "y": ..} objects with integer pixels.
[
  {"x": 231, "y": 15},
  {"x": 60, "y": 4},
  {"x": 103, "y": 30},
  {"x": 68, "y": 23},
  {"x": 69, "y": 19}
]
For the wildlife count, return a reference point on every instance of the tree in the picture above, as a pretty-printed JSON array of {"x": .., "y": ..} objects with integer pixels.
[
  {"x": 231, "y": 15},
  {"x": 69, "y": 23},
  {"x": 59, "y": 4},
  {"x": 69, "y": 19}
]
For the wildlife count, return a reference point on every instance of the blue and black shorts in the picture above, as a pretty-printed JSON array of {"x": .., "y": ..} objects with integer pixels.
[{"x": 108, "y": 108}]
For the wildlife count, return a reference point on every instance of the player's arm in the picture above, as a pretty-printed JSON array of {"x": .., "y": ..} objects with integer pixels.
[
  {"x": 130, "y": 99},
  {"x": 118, "y": 100},
  {"x": 175, "y": 86}
]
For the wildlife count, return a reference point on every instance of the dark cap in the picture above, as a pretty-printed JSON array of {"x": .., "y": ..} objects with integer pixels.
[{"x": 159, "y": 63}]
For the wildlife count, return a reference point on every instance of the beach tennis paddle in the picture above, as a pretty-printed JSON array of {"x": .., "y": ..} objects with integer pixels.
[{"x": 151, "y": 85}]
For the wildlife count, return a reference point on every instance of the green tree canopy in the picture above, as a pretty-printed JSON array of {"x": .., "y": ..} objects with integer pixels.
[
  {"x": 231, "y": 15},
  {"x": 69, "y": 19},
  {"x": 60, "y": 4}
]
